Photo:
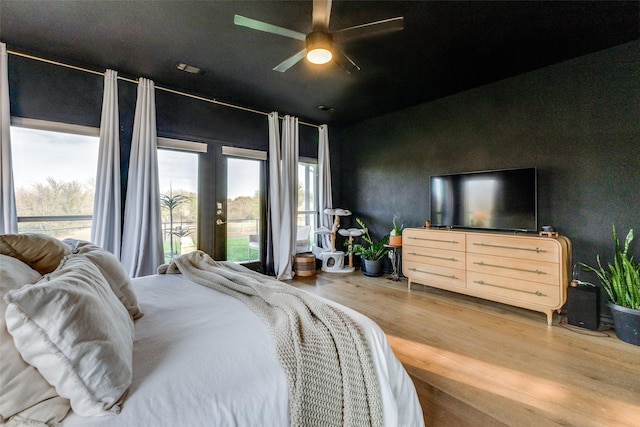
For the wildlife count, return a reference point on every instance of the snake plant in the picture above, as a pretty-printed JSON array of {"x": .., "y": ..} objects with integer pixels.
[{"x": 620, "y": 279}]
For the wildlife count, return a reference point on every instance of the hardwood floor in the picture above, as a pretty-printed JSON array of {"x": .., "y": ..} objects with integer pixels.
[{"x": 479, "y": 363}]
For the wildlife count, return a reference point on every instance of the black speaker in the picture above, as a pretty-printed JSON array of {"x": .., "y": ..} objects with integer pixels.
[{"x": 583, "y": 305}]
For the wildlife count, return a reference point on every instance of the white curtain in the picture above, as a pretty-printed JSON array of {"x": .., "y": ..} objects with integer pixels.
[
  {"x": 141, "y": 252},
  {"x": 274, "y": 185},
  {"x": 324, "y": 177},
  {"x": 283, "y": 192},
  {"x": 105, "y": 228},
  {"x": 8, "y": 216}
]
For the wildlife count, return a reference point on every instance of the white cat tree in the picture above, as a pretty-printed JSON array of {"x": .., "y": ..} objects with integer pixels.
[{"x": 333, "y": 260}]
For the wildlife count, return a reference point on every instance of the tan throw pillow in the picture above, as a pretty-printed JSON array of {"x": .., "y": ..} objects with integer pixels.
[
  {"x": 112, "y": 270},
  {"x": 26, "y": 398},
  {"x": 76, "y": 332},
  {"x": 41, "y": 252}
]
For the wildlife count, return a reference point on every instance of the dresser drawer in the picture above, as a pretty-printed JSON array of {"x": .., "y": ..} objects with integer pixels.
[
  {"x": 514, "y": 268},
  {"x": 442, "y": 257},
  {"x": 533, "y": 248},
  {"x": 436, "y": 239},
  {"x": 518, "y": 290},
  {"x": 435, "y": 275}
]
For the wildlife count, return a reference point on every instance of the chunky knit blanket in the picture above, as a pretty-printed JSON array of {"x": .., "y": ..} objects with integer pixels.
[{"x": 332, "y": 380}]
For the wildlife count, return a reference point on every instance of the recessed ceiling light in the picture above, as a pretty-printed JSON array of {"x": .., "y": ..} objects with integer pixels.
[{"x": 189, "y": 68}]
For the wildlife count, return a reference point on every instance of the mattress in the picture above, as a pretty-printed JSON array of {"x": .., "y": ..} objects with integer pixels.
[{"x": 202, "y": 358}]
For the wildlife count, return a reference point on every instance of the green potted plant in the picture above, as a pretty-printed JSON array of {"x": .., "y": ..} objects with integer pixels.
[
  {"x": 371, "y": 251},
  {"x": 621, "y": 281},
  {"x": 395, "y": 237}
]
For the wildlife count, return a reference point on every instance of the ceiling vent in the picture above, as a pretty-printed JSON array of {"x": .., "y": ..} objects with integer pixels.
[{"x": 189, "y": 68}]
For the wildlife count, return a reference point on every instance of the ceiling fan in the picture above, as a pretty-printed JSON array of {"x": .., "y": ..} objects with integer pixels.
[{"x": 320, "y": 43}]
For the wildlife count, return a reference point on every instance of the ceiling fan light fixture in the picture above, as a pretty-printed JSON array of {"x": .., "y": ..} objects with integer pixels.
[{"x": 319, "y": 47}]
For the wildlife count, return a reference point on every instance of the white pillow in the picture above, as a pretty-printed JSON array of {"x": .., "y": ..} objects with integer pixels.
[
  {"x": 25, "y": 397},
  {"x": 112, "y": 270},
  {"x": 75, "y": 331}
]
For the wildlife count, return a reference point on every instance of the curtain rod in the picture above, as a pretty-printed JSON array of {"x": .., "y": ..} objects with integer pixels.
[{"x": 200, "y": 98}]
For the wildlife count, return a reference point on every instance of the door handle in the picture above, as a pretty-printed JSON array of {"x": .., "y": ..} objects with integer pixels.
[{"x": 220, "y": 222}]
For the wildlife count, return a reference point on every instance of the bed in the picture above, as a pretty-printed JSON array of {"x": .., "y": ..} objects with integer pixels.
[{"x": 176, "y": 352}]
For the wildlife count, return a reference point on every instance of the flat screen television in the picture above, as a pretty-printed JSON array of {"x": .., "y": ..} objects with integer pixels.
[{"x": 494, "y": 200}]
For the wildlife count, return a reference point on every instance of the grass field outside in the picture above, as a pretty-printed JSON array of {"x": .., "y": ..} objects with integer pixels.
[
  {"x": 238, "y": 249},
  {"x": 238, "y": 232}
]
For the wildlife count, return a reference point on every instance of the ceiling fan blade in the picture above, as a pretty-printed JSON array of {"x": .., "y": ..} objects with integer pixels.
[
  {"x": 321, "y": 14},
  {"x": 290, "y": 62},
  {"x": 254, "y": 24},
  {"x": 345, "y": 62},
  {"x": 370, "y": 29}
]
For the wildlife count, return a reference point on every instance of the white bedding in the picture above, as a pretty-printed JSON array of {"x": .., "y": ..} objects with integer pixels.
[{"x": 202, "y": 358}]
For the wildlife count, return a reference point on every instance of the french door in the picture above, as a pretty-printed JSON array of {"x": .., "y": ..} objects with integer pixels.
[{"x": 240, "y": 207}]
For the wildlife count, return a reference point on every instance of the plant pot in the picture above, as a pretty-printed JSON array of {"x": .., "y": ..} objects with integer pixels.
[
  {"x": 372, "y": 268},
  {"x": 395, "y": 240},
  {"x": 626, "y": 322}
]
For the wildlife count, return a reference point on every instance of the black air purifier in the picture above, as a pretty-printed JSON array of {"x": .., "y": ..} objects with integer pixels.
[{"x": 583, "y": 306}]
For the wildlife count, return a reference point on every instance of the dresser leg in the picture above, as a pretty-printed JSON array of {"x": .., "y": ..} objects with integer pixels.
[
  {"x": 549, "y": 317},
  {"x": 409, "y": 285}
]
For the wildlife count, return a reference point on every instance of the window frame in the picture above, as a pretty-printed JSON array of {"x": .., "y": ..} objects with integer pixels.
[
  {"x": 59, "y": 127},
  {"x": 313, "y": 211},
  {"x": 191, "y": 147}
]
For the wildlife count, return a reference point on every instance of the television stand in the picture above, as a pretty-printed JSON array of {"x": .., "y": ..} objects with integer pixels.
[{"x": 527, "y": 271}]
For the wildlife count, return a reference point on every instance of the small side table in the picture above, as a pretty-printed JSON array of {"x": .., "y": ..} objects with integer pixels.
[{"x": 394, "y": 256}]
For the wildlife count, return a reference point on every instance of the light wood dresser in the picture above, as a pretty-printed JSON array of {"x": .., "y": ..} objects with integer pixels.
[{"x": 524, "y": 270}]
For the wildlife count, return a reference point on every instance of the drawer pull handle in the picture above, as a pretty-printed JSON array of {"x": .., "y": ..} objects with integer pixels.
[
  {"x": 536, "y": 271},
  {"x": 536, "y": 250},
  {"x": 432, "y": 240},
  {"x": 537, "y": 293},
  {"x": 433, "y": 256},
  {"x": 448, "y": 276}
]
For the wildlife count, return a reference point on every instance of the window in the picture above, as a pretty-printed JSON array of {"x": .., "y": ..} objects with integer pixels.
[
  {"x": 178, "y": 182},
  {"x": 307, "y": 191},
  {"x": 54, "y": 170}
]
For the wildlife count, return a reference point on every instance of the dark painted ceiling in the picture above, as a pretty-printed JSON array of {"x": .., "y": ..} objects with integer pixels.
[{"x": 445, "y": 47}]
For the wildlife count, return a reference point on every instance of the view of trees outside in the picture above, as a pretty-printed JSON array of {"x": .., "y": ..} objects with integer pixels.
[
  {"x": 243, "y": 206},
  {"x": 307, "y": 201},
  {"x": 179, "y": 213},
  {"x": 54, "y": 175},
  {"x": 178, "y": 176},
  {"x": 56, "y": 198},
  {"x": 243, "y": 213},
  {"x": 243, "y": 219}
]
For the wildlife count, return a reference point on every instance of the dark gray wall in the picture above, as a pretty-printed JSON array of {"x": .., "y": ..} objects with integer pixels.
[
  {"x": 44, "y": 91},
  {"x": 577, "y": 122}
]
